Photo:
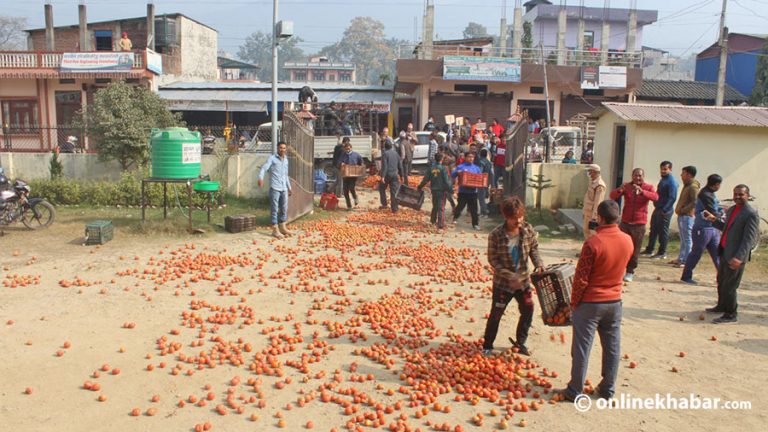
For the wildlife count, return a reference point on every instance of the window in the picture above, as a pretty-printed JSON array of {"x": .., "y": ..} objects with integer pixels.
[
  {"x": 345, "y": 76},
  {"x": 103, "y": 80},
  {"x": 331, "y": 77},
  {"x": 103, "y": 40},
  {"x": 300, "y": 76},
  {"x": 66, "y": 81},
  {"x": 537, "y": 90},
  {"x": 589, "y": 39},
  {"x": 20, "y": 115},
  {"x": 318, "y": 76}
]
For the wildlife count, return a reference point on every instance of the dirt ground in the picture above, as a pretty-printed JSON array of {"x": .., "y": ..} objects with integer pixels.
[{"x": 285, "y": 332}]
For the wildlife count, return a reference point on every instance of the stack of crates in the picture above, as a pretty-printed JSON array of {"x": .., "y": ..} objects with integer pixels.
[
  {"x": 98, "y": 232},
  {"x": 240, "y": 223}
]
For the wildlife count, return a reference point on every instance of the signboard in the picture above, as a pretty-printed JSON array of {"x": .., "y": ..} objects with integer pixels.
[
  {"x": 154, "y": 62},
  {"x": 190, "y": 153},
  {"x": 613, "y": 77},
  {"x": 481, "y": 68},
  {"x": 589, "y": 80},
  {"x": 603, "y": 77},
  {"x": 97, "y": 62},
  {"x": 450, "y": 119}
]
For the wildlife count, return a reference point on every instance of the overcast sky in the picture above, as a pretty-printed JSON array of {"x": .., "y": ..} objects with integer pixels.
[{"x": 684, "y": 27}]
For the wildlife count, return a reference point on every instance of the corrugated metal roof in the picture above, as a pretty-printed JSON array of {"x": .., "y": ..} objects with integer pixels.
[
  {"x": 230, "y": 85},
  {"x": 689, "y": 90},
  {"x": 709, "y": 115}
]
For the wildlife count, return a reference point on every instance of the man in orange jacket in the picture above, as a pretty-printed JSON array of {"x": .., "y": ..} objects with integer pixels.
[{"x": 596, "y": 301}]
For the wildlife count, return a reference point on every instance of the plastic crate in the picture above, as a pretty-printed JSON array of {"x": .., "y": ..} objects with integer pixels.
[
  {"x": 410, "y": 197},
  {"x": 98, "y": 232},
  {"x": 468, "y": 179},
  {"x": 239, "y": 223},
  {"x": 352, "y": 170},
  {"x": 553, "y": 287},
  {"x": 329, "y": 201}
]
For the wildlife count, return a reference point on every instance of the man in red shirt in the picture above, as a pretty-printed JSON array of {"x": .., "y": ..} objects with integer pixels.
[
  {"x": 596, "y": 301},
  {"x": 636, "y": 195}
]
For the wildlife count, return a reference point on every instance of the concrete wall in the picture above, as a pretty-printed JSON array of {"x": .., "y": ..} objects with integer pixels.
[
  {"x": 569, "y": 181},
  {"x": 238, "y": 173},
  {"x": 198, "y": 51},
  {"x": 738, "y": 154},
  {"x": 617, "y": 37}
]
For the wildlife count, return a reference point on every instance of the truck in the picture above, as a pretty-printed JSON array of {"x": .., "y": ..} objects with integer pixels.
[{"x": 324, "y": 145}]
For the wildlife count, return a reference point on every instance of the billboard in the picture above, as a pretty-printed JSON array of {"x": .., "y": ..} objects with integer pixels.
[
  {"x": 481, "y": 68},
  {"x": 154, "y": 62},
  {"x": 97, "y": 62},
  {"x": 603, "y": 77}
]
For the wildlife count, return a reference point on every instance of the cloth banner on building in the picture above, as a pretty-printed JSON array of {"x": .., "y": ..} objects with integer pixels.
[
  {"x": 97, "y": 61},
  {"x": 154, "y": 62},
  {"x": 481, "y": 68},
  {"x": 589, "y": 80},
  {"x": 613, "y": 77}
]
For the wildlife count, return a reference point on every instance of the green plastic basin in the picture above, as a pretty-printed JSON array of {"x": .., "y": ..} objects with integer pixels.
[{"x": 206, "y": 186}]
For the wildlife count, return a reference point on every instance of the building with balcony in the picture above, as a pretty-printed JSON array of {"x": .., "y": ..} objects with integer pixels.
[
  {"x": 320, "y": 70},
  {"x": 236, "y": 70},
  {"x": 43, "y": 88}
]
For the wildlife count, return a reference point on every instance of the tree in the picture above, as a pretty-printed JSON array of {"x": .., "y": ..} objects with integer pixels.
[
  {"x": 760, "y": 90},
  {"x": 120, "y": 119},
  {"x": 11, "y": 33},
  {"x": 257, "y": 49},
  {"x": 364, "y": 44},
  {"x": 527, "y": 42},
  {"x": 475, "y": 30}
]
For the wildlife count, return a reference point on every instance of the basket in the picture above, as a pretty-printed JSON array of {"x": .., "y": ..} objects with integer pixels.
[
  {"x": 98, "y": 232},
  {"x": 352, "y": 170},
  {"x": 239, "y": 223},
  {"x": 553, "y": 287},
  {"x": 329, "y": 201},
  {"x": 410, "y": 197},
  {"x": 468, "y": 179}
]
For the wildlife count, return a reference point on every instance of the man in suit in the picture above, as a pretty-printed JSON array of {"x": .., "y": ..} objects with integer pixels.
[{"x": 741, "y": 230}]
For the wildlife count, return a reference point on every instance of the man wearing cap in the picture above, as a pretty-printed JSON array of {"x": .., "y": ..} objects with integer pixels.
[{"x": 592, "y": 198}]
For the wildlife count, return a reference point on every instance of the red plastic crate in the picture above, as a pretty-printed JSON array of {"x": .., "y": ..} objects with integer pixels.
[{"x": 468, "y": 179}]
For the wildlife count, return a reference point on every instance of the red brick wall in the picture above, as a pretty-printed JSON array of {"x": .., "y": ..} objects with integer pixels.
[{"x": 68, "y": 38}]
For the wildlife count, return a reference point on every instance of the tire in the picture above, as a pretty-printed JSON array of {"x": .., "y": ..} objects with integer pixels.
[
  {"x": 40, "y": 215},
  {"x": 330, "y": 171}
]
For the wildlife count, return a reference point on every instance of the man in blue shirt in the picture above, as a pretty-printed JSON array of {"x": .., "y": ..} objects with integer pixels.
[
  {"x": 664, "y": 208},
  {"x": 467, "y": 195},
  {"x": 279, "y": 189}
]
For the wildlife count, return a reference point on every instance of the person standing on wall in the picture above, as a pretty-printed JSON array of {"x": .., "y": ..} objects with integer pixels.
[
  {"x": 664, "y": 208},
  {"x": 350, "y": 158},
  {"x": 279, "y": 189},
  {"x": 636, "y": 194},
  {"x": 596, "y": 302},
  {"x": 741, "y": 231},
  {"x": 592, "y": 199},
  {"x": 125, "y": 43},
  {"x": 703, "y": 234},
  {"x": 685, "y": 211}
]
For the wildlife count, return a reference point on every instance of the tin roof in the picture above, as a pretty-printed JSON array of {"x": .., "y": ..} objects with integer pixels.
[
  {"x": 700, "y": 115},
  {"x": 685, "y": 90}
]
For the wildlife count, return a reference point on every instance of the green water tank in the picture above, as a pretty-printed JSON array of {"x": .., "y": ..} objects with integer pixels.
[{"x": 175, "y": 154}]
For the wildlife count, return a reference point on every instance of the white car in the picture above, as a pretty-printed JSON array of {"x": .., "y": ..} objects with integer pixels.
[{"x": 422, "y": 147}]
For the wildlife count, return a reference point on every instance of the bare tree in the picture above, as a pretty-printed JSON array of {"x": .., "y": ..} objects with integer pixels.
[{"x": 12, "y": 36}]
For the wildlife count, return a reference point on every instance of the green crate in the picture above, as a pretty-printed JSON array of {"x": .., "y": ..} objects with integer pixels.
[{"x": 98, "y": 232}]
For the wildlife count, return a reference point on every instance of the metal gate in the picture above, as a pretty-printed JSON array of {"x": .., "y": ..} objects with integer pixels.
[
  {"x": 517, "y": 138},
  {"x": 301, "y": 153}
]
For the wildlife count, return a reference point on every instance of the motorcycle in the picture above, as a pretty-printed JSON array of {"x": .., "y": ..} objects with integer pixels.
[{"x": 16, "y": 205}]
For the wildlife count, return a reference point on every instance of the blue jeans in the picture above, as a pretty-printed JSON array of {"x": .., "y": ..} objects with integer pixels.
[
  {"x": 659, "y": 229},
  {"x": 278, "y": 202},
  {"x": 685, "y": 225},
  {"x": 702, "y": 238}
]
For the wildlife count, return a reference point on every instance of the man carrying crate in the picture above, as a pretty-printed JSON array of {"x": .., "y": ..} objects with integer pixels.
[
  {"x": 596, "y": 301},
  {"x": 349, "y": 158},
  {"x": 467, "y": 194},
  {"x": 510, "y": 246},
  {"x": 441, "y": 185}
]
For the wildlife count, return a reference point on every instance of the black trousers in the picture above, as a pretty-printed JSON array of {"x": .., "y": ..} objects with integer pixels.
[
  {"x": 349, "y": 188},
  {"x": 438, "y": 208},
  {"x": 468, "y": 200},
  {"x": 659, "y": 229},
  {"x": 501, "y": 299},
  {"x": 728, "y": 280}
]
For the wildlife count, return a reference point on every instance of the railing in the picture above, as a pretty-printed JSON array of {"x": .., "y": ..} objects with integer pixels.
[
  {"x": 548, "y": 55},
  {"x": 47, "y": 59}
]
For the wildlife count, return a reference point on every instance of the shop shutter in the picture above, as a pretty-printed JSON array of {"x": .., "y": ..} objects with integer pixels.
[{"x": 456, "y": 104}]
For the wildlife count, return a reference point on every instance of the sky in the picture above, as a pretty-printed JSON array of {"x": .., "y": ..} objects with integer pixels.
[{"x": 685, "y": 26}]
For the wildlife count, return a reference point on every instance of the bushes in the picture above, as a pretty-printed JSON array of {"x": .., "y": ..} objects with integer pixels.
[{"x": 126, "y": 192}]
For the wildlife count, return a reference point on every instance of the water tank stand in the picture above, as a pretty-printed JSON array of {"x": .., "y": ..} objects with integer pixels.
[{"x": 164, "y": 182}]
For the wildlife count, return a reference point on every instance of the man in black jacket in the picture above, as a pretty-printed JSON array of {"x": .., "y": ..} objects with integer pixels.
[
  {"x": 741, "y": 231},
  {"x": 391, "y": 169}
]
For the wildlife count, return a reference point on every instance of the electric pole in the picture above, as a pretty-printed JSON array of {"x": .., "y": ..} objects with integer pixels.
[{"x": 723, "y": 42}]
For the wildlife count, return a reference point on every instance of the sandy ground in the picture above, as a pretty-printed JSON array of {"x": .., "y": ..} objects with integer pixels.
[{"x": 303, "y": 287}]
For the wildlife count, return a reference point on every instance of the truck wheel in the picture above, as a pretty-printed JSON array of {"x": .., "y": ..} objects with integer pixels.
[{"x": 330, "y": 171}]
